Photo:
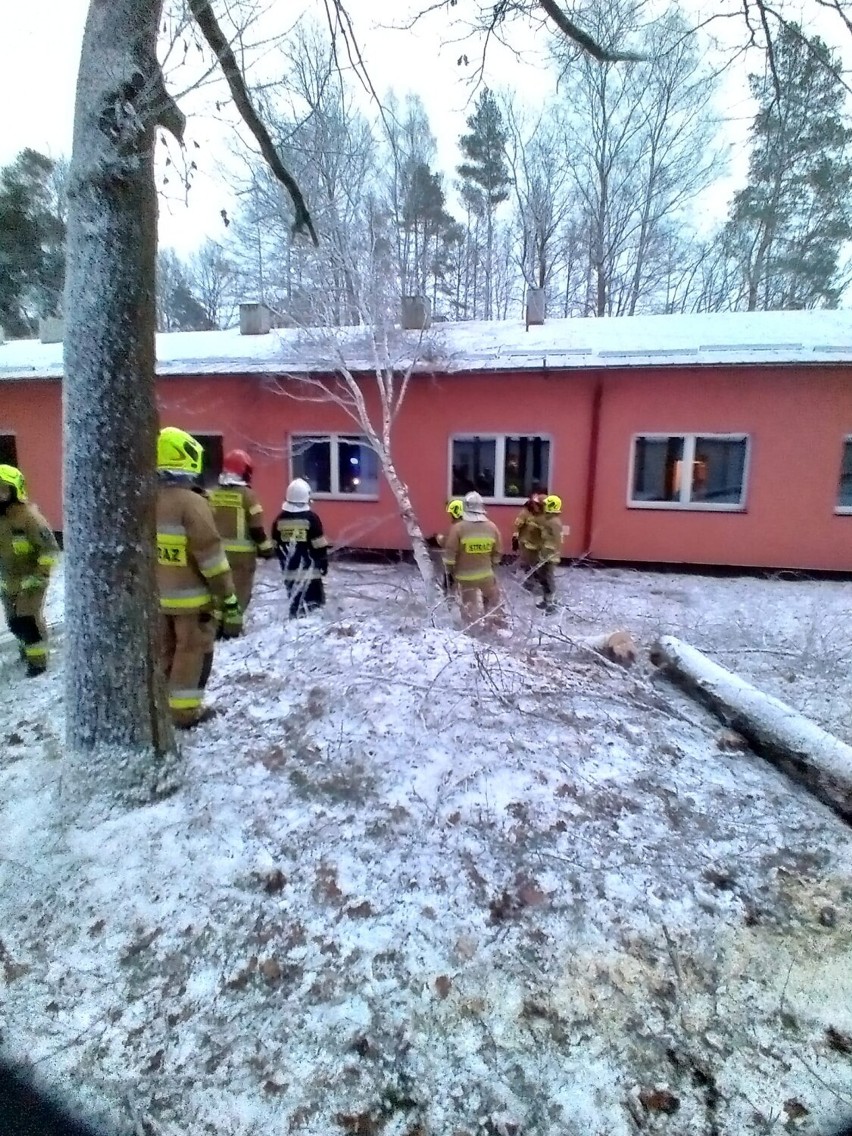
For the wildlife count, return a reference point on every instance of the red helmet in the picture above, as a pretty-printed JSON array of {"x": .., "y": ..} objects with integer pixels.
[{"x": 239, "y": 464}]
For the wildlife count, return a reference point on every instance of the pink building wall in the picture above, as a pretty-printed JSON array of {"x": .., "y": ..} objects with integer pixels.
[{"x": 796, "y": 416}]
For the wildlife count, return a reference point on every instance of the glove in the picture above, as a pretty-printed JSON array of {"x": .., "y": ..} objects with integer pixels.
[
  {"x": 232, "y": 618},
  {"x": 266, "y": 553},
  {"x": 323, "y": 569},
  {"x": 30, "y": 583},
  {"x": 516, "y": 544}
]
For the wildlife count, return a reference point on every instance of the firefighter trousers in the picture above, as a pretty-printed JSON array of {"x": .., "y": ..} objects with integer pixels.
[
  {"x": 544, "y": 575},
  {"x": 24, "y": 611},
  {"x": 305, "y": 595},
  {"x": 243, "y": 565},
  {"x": 481, "y": 601},
  {"x": 187, "y": 657}
]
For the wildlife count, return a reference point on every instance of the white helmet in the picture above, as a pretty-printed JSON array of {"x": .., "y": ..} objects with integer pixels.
[
  {"x": 474, "y": 506},
  {"x": 298, "y": 495}
]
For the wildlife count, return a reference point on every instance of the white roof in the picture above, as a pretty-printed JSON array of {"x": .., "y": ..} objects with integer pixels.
[{"x": 564, "y": 344}]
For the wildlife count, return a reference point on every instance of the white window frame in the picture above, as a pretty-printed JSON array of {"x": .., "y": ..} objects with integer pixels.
[
  {"x": 334, "y": 436},
  {"x": 499, "y": 458},
  {"x": 842, "y": 510},
  {"x": 684, "y": 504}
]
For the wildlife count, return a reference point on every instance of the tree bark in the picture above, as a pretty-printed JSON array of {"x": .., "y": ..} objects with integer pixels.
[
  {"x": 119, "y": 738},
  {"x": 800, "y": 748}
]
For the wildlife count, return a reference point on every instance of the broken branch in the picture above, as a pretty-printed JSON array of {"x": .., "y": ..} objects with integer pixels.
[{"x": 215, "y": 37}]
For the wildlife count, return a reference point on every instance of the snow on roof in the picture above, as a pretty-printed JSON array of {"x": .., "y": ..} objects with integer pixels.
[{"x": 478, "y": 345}]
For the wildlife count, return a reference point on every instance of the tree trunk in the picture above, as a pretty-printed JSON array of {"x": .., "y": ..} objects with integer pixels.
[
  {"x": 419, "y": 548},
  {"x": 119, "y": 738},
  {"x": 787, "y": 738}
]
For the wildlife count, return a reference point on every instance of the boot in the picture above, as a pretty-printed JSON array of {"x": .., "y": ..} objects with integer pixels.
[
  {"x": 547, "y": 606},
  {"x": 204, "y": 715},
  {"x": 34, "y": 671}
]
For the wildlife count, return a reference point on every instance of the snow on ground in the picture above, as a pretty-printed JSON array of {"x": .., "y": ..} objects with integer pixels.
[{"x": 418, "y": 882}]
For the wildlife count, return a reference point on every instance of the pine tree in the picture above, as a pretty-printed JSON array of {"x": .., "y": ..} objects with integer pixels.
[
  {"x": 32, "y": 256},
  {"x": 485, "y": 175},
  {"x": 788, "y": 225}
]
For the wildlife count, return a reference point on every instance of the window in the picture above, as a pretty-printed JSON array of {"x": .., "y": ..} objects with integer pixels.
[
  {"x": 336, "y": 465},
  {"x": 844, "y": 493},
  {"x": 8, "y": 450},
  {"x": 689, "y": 471},
  {"x": 500, "y": 467},
  {"x": 213, "y": 455}
]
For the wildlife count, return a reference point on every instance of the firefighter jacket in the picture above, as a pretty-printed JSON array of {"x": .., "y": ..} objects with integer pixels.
[
  {"x": 28, "y": 549},
  {"x": 527, "y": 528},
  {"x": 540, "y": 535},
  {"x": 472, "y": 550},
  {"x": 239, "y": 519},
  {"x": 550, "y": 548},
  {"x": 192, "y": 569},
  {"x": 300, "y": 544}
]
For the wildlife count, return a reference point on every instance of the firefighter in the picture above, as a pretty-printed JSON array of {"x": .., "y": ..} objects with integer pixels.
[
  {"x": 472, "y": 552},
  {"x": 193, "y": 577},
  {"x": 549, "y": 551},
  {"x": 302, "y": 549},
  {"x": 527, "y": 535},
  {"x": 28, "y": 551},
  {"x": 455, "y": 509},
  {"x": 239, "y": 519}
]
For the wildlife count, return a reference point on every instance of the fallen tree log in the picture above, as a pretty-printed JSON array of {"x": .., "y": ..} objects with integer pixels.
[{"x": 792, "y": 742}]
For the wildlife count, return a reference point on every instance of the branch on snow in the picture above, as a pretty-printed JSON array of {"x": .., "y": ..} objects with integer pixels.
[
  {"x": 215, "y": 37},
  {"x": 589, "y": 45}
]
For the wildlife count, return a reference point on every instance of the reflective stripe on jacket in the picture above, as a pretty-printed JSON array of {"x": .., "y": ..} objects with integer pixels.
[
  {"x": 301, "y": 544},
  {"x": 192, "y": 567},
  {"x": 239, "y": 518},
  {"x": 28, "y": 548},
  {"x": 472, "y": 550},
  {"x": 540, "y": 533}
]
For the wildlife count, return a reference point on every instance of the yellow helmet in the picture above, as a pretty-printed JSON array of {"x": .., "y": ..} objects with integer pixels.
[
  {"x": 179, "y": 451},
  {"x": 455, "y": 508},
  {"x": 552, "y": 504},
  {"x": 9, "y": 475}
]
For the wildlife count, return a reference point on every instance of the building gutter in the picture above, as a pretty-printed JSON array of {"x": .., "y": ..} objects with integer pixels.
[{"x": 592, "y": 468}]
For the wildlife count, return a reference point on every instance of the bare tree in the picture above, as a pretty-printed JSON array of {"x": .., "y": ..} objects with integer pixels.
[
  {"x": 543, "y": 188},
  {"x": 369, "y": 373},
  {"x": 640, "y": 142},
  {"x": 214, "y": 281}
]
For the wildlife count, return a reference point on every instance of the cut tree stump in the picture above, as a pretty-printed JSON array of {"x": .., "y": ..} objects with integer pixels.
[
  {"x": 617, "y": 646},
  {"x": 792, "y": 742}
]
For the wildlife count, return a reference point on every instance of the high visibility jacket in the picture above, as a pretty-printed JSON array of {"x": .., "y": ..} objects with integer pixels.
[
  {"x": 301, "y": 544},
  {"x": 192, "y": 568},
  {"x": 540, "y": 534},
  {"x": 550, "y": 549},
  {"x": 239, "y": 519},
  {"x": 472, "y": 550},
  {"x": 28, "y": 548}
]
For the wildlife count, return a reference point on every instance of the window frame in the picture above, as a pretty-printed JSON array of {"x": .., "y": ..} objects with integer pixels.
[
  {"x": 842, "y": 510},
  {"x": 13, "y": 435},
  {"x": 499, "y": 458},
  {"x": 208, "y": 478},
  {"x": 333, "y": 437},
  {"x": 689, "y": 439}
]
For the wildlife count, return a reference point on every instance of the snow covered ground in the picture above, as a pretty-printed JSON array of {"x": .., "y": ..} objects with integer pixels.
[{"x": 421, "y": 883}]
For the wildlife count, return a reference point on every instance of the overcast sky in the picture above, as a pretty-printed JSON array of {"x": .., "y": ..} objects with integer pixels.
[
  {"x": 38, "y": 61},
  {"x": 38, "y": 66}
]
